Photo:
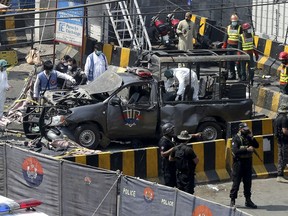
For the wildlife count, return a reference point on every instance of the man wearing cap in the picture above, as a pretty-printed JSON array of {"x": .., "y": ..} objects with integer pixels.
[
  {"x": 281, "y": 132},
  {"x": 4, "y": 85},
  {"x": 181, "y": 77},
  {"x": 186, "y": 161},
  {"x": 243, "y": 146}
]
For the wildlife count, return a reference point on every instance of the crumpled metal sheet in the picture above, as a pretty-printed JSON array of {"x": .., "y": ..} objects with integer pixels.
[
  {"x": 4, "y": 121},
  {"x": 109, "y": 81}
]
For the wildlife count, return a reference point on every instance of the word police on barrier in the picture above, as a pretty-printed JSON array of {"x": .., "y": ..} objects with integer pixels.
[
  {"x": 34, "y": 174},
  {"x": 70, "y": 30},
  {"x": 153, "y": 199}
]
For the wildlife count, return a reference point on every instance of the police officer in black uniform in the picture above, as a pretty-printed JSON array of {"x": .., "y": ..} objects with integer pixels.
[
  {"x": 186, "y": 161},
  {"x": 243, "y": 146},
  {"x": 166, "y": 145},
  {"x": 281, "y": 132}
]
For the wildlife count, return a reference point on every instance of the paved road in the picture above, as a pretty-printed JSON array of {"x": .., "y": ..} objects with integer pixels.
[{"x": 270, "y": 196}]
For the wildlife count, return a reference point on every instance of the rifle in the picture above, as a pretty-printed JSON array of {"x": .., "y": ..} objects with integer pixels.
[{"x": 256, "y": 153}]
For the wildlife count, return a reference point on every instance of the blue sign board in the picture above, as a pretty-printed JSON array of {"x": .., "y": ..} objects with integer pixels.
[{"x": 69, "y": 23}]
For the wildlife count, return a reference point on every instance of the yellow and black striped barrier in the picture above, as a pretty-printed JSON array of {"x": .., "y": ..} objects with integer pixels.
[
  {"x": 200, "y": 23},
  {"x": 258, "y": 126},
  {"x": 268, "y": 101},
  {"x": 143, "y": 163},
  {"x": 212, "y": 165},
  {"x": 120, "y": 56},
  {"x": 146, "y": 162},
  {"x": 215, "y": 160},
  {"x": 268, "y": 55}
]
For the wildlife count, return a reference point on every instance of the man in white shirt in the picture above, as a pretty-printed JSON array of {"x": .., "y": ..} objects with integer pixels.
[
  {"x": 4, "y": 85},
  {"x": 96, "y": 64},
  {"x": 47, "y": 80},
  {"x": 187, "y": 31},
  {"x": 181, "y": 76}
]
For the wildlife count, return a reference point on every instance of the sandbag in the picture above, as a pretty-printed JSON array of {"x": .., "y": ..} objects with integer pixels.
[{"x": 33, "y": 57}]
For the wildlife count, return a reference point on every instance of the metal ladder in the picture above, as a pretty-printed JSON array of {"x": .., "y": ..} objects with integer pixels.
[{"x": 128, "y": 24}]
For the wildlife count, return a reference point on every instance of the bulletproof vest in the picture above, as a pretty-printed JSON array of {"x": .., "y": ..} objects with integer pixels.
[
  {"x": 244, "y": 142},
  {"x": 48, "y": 83}
]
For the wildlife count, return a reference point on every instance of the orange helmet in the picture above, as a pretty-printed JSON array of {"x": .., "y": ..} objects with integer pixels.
[
  {"x": 283, "y": 56},
  {"x": 246, "y": 26},
  {"x": 234, "y": 17}
]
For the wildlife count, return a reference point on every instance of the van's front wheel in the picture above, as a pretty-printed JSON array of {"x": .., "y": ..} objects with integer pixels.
[
  {"x": 88, "y": 135},
  {"x": 210, "y": 131}
]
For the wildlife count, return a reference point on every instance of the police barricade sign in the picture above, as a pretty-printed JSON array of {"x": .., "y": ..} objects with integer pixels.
[
  {"x": 140, "y": 197},
  {"x": 190, "y": 205},
  {"x": 95, "y": 190},
  {"x": 2, "y": 169},
  {"x": 32, "y": 175}
]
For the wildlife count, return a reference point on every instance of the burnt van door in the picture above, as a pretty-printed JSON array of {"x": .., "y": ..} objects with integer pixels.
[{"x": 132, "y": 112}]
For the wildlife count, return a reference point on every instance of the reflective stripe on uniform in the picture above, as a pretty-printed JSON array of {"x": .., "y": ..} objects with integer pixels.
[
  {"x": 247, "y": 43},
  {"x": 233, "y": 34},
  {"x": 283, "y": 75}
]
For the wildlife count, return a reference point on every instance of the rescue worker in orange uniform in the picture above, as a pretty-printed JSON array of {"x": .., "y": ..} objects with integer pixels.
[
  {"x": 283, "y": 57},
  {"x": 231, "y": 40},
  {"x": 246, "y": 43}
]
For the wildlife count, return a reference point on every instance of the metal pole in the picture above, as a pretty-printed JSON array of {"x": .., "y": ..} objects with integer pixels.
[
  {"x": 61, "y": 9},
  {"x": 24, "y": 28},
  {"x": 190, "y": 96},
  {"x": 84, "y": 27},
  {"x": 286, "y": 36},
  {"x": 103, "y": 28},
  {"x": 198, "y": 70},
  {"x": 32, "y": 38},
  {"x": 54, "y": 44}
]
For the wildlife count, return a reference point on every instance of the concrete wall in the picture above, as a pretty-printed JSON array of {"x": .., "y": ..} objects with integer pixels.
[
  {"x": 44, "y": 19},
  {"x": 97, "y": 23}
]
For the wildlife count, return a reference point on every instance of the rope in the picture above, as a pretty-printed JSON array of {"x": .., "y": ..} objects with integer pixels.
[{"x": 106, "y": 194}]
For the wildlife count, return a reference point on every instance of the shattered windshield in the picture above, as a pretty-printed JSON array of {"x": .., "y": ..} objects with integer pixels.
[{"x": 108, "y": 82}]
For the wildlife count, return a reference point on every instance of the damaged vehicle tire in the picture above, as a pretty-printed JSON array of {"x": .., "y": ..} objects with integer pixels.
[
  {"x": 88, "y": 135},
  {"x": 210, "y": 131}
]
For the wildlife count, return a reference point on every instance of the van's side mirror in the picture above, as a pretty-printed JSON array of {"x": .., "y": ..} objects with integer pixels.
[{"x": 115, "y": 101}]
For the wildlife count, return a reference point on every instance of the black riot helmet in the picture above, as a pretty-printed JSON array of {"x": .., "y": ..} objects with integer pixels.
[{"x": 167, "y": 128}]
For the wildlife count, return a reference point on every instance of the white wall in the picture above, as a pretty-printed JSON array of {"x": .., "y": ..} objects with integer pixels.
[
  {"x": 95, "y": 20},
  {"x": 270, "y": 21},
  {"x": 48, "y": 32}
]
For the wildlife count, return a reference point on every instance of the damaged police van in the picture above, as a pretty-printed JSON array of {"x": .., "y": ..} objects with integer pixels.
[{"x": 135, "y": 105}]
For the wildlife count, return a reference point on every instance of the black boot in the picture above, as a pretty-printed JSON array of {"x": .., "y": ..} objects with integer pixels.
[
  {"x": 232, "y": 203},
  {"x": 250, "y": 204}
]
